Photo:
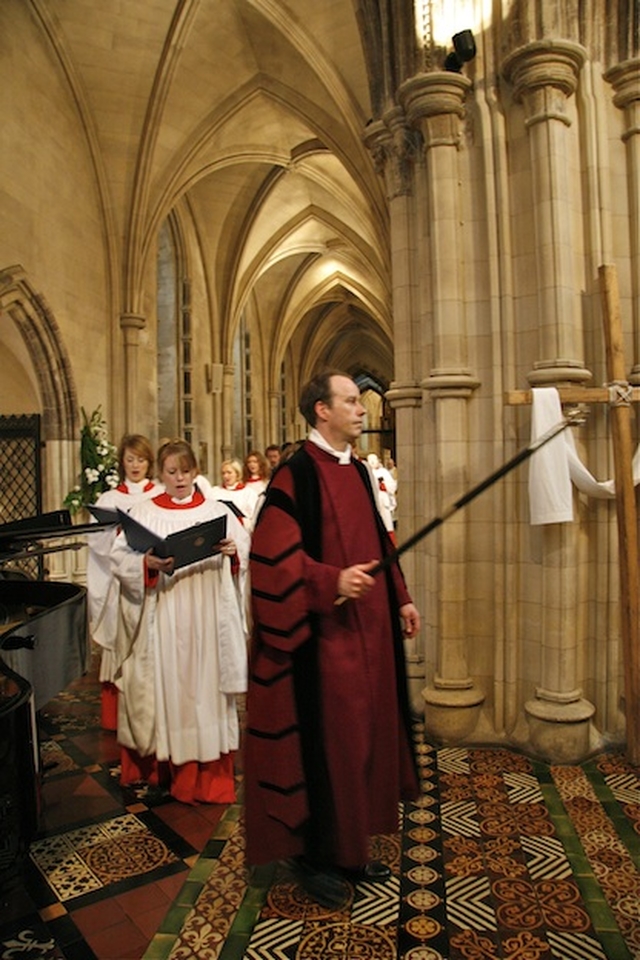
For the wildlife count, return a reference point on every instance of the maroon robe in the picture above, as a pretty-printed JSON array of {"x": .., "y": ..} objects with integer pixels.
[{"x": 328, "y": 750}]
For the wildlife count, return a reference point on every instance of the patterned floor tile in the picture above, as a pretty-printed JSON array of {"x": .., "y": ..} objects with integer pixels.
[
  {"x": 611, "y": 861},
  {"x": 501, "y": 857},
  {"x": 220, "y": 886},
  {"x": 88, "y": 859}
]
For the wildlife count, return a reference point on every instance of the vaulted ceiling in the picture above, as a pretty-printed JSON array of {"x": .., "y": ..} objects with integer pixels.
[{"x": 246, "y": 118}]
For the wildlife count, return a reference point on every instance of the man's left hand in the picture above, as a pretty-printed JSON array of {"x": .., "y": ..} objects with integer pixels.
[{"x": 410, "y": 619}]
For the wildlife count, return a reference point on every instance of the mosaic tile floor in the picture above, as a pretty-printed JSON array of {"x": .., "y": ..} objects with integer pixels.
[{"x": 501, "y": 857}]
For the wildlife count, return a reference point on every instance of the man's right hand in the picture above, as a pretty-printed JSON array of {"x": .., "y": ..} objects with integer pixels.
[{"x": 355, "y": 582}]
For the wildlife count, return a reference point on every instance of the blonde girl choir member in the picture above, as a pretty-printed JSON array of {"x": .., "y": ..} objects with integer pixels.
[
  {"x": 177, "y": 712},
  {"x": 135, "y": 469},
  {"x": 234, "y": 490}
]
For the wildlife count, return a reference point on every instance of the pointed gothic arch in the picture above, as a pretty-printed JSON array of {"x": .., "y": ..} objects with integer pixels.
[{"x": 42, "y": 338}]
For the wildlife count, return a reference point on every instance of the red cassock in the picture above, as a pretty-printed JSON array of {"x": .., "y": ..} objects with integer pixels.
[{"x": 328, "y": 747}]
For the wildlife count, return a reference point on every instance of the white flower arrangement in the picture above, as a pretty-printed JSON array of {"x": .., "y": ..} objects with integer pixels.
[{"x": 98, "y": 464}]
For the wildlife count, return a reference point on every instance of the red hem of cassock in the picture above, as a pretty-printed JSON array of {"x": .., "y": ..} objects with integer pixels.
[
  {"x": 108, "y": 706},
  {"x": 210, "y": 782},
  {"x": 137, "y": 769},
  {"x": 192, "y": 782}
]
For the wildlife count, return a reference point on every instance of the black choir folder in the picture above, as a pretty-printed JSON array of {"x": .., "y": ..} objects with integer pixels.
[
  {"x": 185, "y": 546},
  {"x": 104, "y": 514}
]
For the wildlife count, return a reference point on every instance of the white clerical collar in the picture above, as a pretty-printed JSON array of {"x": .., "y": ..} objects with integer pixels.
[
  {"x": 136, "y": 486},
  {"x": 342, "y": 456},
  {"x": 184, "y": 499}
]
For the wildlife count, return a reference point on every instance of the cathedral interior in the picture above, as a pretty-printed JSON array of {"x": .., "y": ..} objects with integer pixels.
[{"x": 204, "y": 202}]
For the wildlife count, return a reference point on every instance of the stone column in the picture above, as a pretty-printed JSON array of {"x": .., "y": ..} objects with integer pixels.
[
  {"x": 131, "y": 324},
  {"x": 625, "y": 80},
  {"x": 393, "y": 147},
  {"x": 275, "y": 398},
  {"x": 434, "y": 104},
  {"x": 228, "y": 381},
  {"x": 544, "y": 76}
]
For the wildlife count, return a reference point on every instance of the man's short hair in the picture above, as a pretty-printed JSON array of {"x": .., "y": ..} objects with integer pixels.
[{"x": 318, "y": 389}]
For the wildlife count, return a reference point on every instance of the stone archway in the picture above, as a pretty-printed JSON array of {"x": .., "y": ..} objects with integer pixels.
[
  {"x": 57, "y": 402},
  {"x": 41, "y": 335}
]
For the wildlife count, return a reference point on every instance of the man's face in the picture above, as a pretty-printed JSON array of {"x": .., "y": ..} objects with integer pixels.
[
  {"x": 273, "y": 456},
  {"x": 341, "y": 423}
]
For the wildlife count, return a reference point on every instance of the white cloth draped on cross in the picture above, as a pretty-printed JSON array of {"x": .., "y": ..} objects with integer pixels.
[{"x": 556, "y": 466}]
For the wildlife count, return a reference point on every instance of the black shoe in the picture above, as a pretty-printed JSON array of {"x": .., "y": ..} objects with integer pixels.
[
  {"x": 376, "y": 871},
  {"x": 321, "y": 884},
  {"x": 373, "y": 872}
]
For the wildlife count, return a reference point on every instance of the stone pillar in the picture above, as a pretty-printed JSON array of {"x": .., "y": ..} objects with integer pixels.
[
  {"x": 434, "y": 104},
  {"x": 275, "y": 399},
  {"x": 131, "y": 324},
  {"x": 228, "y": 383},
  {"x": 393, "y": 147},
  {"x": 625, "y": 80},
  {"x": 544, "y": 76}
]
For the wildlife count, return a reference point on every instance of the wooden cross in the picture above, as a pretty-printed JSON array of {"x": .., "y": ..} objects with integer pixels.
[{"x": 620, "y": 406}]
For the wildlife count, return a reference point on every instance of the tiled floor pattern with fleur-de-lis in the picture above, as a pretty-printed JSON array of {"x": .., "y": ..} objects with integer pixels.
[{"x": 502, "y": 856}]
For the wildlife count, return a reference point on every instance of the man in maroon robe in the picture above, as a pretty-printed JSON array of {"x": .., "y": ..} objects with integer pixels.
[{"x": 328, "y": 750}]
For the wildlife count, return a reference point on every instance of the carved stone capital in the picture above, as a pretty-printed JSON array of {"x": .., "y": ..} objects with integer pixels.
[
  {"x": 376, "y": 139},
  {"x": 435, "y": 104},
  {"x": 132, "y": 321},
  {"x": 393, "y": 147},
  {"x": 450, "y": 383},
  {"x": 544, "y": 74},
  {"x": 625, "y": 80},
  {"x": 557, "y": 373},
  {"x": 131, "y": 324},
  {"x": 403, "y": 395}
]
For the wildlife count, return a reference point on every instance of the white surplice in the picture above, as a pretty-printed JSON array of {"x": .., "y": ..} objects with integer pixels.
[
  {"x": 242, "y": 496},
  {"x": 187, "y": 656},
  {"x": 103, "y": 589}
]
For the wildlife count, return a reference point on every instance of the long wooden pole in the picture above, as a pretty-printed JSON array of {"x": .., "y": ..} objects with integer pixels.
[
  {"x": 625, "y": 510},
  {"x": 467, "y": 497},
  {"x": 471, "y": 494}
]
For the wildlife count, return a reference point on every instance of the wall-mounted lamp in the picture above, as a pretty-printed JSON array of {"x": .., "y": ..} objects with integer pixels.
[{"x": 464, "y": 49}]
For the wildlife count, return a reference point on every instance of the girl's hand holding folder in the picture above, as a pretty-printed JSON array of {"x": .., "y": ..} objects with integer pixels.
[{"x": 161, "y": 564}]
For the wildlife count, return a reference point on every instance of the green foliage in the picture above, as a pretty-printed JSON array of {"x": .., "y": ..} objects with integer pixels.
[{"x": 98, "y": 463}]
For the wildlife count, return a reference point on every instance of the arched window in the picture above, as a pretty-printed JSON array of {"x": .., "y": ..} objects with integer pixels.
[{"x": 174, "y": 339}]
